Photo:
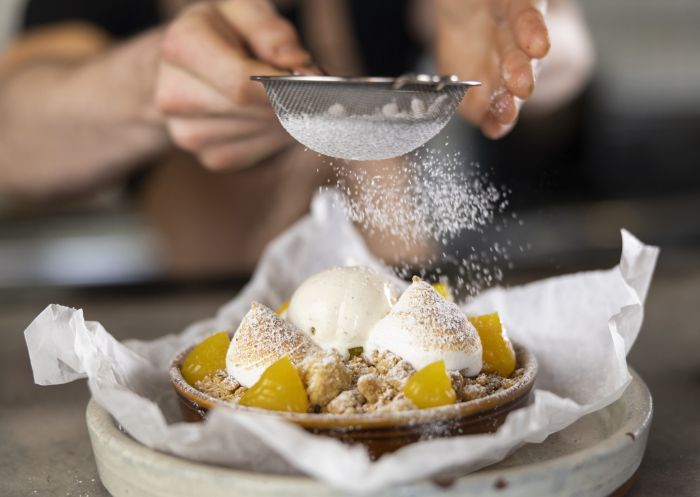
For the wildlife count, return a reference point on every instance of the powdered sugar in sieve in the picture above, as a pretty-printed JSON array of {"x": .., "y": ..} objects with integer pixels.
[{"x": 364, "y": 118}]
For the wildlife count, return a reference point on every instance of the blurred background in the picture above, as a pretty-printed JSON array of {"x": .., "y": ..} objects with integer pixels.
[{"x": 624, "y": 154}]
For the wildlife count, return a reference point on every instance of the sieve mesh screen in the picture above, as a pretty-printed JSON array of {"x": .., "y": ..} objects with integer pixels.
[{"x": 358, "y": 120}]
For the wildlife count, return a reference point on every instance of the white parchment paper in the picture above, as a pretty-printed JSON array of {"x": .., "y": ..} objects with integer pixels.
[{"x": 580, "y": 326}]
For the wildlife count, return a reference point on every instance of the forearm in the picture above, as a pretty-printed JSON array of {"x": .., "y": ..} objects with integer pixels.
[{"x": 66, "y": 125}]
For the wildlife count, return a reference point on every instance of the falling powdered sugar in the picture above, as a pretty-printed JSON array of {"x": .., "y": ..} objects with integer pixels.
[
  {"x": 431, "y": 195},
  {"x": 435, "y": 198}
]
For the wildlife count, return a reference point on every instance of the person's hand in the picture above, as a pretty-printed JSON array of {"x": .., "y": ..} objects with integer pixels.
[
  {"x": 210, "y": 106},
  {"x": 495, "y": 42}
]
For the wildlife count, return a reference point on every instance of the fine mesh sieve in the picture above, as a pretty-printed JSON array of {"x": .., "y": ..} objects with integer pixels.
[{"x": 364, "y": 118}]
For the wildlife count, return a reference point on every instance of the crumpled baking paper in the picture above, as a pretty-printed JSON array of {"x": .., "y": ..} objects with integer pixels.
[{"x": 580, "y": 326}]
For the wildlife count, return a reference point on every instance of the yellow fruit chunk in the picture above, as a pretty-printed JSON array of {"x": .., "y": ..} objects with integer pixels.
[
  {"x": 206, "y": 358},
  {"x": 430, "y": 387},
  {"x": 279, "y": 389},
  {"x": 499, "y": 356},
  {"x": 443, "y": 289},
  {"x": 282, "y": 308}
]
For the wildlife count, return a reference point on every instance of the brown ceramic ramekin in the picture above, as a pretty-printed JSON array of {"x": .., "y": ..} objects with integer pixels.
[{"x": 382, "y": 432}]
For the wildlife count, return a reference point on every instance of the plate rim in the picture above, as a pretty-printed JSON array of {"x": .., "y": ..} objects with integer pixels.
[{"x": 101, "y": 424}]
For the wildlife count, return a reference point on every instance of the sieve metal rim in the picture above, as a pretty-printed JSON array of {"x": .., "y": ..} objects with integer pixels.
[{"x": 372, "y": 80}]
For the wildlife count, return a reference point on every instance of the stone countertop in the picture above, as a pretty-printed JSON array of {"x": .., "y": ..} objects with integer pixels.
[{"x": 44, "y": 445}]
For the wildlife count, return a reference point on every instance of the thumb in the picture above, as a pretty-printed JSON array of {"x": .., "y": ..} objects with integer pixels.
[{"x": 271, "y": 38}]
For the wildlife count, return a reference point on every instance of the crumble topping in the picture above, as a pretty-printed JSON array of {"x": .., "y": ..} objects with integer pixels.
[
  {"x": 348, "y": 402},
  {"x": 325, "y": 375},
  {"x": 222, "y": 386},
  {"x": 360, "y": 384}
]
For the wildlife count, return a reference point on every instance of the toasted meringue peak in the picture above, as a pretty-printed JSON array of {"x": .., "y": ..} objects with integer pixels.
[
  {"x": 423, "y": 328},
  {"x": 261, "y": 339},
  {"x": 338, "y": 307}
]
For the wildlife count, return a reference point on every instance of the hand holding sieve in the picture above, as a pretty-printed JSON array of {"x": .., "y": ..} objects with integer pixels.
[{"x": 364, "y": 118}]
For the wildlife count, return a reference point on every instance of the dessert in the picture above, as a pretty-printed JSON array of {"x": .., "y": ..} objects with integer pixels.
[
  {"x": 345, "y": 345},
  {"x": 261, "y": 340},
  {"x": 431, "y": 387},
  {"x": 206, "y": 358},
  {"x": 499, "y": 355},
  {"x": 338, "y": 307},
  {"x": 279, "y": 388},
  {"x": 424, "y": 327}
]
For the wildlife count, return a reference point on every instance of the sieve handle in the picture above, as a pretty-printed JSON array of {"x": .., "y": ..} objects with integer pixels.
[
  {"x": 313, "y": 66},
  {"x": 425, "y": 79}
]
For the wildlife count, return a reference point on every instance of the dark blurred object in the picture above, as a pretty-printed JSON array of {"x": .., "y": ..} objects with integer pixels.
[
  {"x": 119, "y": 19},
  {"x": 390, "y": 50},
  {"x": 583, "y": 152}
]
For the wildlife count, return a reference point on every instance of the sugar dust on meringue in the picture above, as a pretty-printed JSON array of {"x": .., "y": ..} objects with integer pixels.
[
  {"x": 423, "y": 328},
  {"x": 261, "y": 339}
]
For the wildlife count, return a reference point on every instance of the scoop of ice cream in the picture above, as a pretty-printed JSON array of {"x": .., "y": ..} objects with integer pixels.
[
  {"x": 423, "y": 328},
  {"x": 261, "y": 339},
  {"x": 339, "y": 306}
]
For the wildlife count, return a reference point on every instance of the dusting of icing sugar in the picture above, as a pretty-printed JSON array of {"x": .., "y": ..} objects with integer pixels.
[
  {"x": 498, "y": 101},
  {"x": 423, "y": 328},
  {"x": 261, "y": 339},
  {"x": 431, "y": 198},
  {"x": 440, "y": 323},
  {"x": 428, "y": 195}
]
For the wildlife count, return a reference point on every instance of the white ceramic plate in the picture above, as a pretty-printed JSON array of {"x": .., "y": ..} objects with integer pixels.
[{"x": 596, "y": 456}]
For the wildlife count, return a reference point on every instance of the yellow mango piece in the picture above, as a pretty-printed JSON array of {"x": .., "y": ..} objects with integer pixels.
[
  {"x": 443, "y": 289},
  {"x": 499, "y": 356},
  {"x": 279, "y": 389},
  {"x": 206, "y": 358},
  {"x": 282, "y": 308},
  {"x": 430, "y": 387}
]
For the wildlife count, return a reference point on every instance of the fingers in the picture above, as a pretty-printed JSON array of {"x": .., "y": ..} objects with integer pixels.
[
  {"x": 516, "y": 78},
  {"x": 495, "y": 44},
  {"x": 221, "y": 143},
  {"x": 494, "y": 130},
  {"x": 195, "y": 134},
  {"x": 501, "y": 115},
  {"x": 179, "y": 93},
  {"x": 271, "y": 38},
  {"x": 503, "y": 107},
  {"x": 475, "y": 105},
  {"x": 516, "y": 66},
  {"x": 198, "y": 44},
  {"x": 496, "y": 127},
  {"x": 211, "y": 107},
  {"x": 239, "y": 154},
  {"x": 528, "y": 24}
]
